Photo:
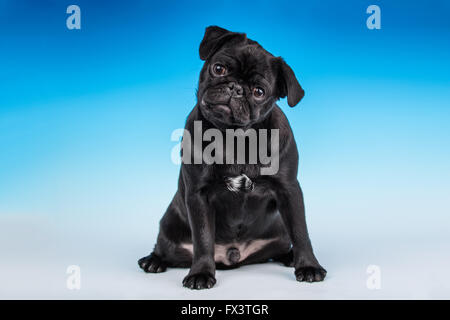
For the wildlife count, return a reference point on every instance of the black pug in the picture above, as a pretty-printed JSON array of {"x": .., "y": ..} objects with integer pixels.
[{"x": 229, "y": 215}]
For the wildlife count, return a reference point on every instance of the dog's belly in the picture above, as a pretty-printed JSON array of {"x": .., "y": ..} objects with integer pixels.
[
  {"x": 234, "y": 253},
  {"x": 246, "y": 219}
]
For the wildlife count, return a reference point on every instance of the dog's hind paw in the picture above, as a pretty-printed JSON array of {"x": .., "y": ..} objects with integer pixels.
[
  {"x": 287, "y": 259},
  {"x": 152, "y": 264}
]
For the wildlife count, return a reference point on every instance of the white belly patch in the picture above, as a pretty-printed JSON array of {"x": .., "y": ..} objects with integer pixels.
[{"x": 245, "y": 249}]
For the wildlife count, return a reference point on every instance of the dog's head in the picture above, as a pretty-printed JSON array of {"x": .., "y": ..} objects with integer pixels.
[{"x": 240, "y": 81}]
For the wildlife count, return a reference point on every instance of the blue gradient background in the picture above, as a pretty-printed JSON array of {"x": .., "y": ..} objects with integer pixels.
[{"x": 86, "y": 115}]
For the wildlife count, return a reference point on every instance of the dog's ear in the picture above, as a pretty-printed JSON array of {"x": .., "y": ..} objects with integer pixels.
[
  {"x": 288, "y": 84},
  {"x": 214, "y": 38}
]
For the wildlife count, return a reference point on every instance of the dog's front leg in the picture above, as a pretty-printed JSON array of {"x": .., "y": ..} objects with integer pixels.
[
  {"x": 202, "y": 223},
  {"x": 292, "y": 210}
]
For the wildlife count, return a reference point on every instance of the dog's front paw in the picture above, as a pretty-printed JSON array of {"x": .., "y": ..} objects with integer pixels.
[
  {"x": 152, "y": 264},
  {"x": 199, "y": 281},
  {"x": 310, "y": 274}
]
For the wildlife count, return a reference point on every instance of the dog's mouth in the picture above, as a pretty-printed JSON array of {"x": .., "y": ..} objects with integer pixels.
[
  {"x": 227, "y": 114},
  {"x": 219, "y": 108}
]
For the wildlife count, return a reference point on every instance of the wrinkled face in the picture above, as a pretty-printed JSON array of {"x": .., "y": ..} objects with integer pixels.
[
  {"x": 240, "y": 81},
  {"x": 238, "y": 86}
]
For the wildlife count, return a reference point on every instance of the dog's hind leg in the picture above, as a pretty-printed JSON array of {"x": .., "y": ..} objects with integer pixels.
[
  {"x": 152, "y": 263},
  {"x": 167, "y": 251},
  {"x": 287, "y": 259},
  {"x": 270, "y": 252},
  {"x": 164, "y": 256}
]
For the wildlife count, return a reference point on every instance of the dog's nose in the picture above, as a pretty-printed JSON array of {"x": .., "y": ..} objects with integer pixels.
[{"x": 237, "y": 90}]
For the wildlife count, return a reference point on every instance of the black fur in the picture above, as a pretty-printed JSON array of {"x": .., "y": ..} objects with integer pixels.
[{"x": 204, "y": 212}]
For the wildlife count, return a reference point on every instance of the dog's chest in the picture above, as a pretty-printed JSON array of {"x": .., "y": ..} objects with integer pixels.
[
  {"x": 237, "y": 181},
  {"x": 240, "y": 183},
  {"x": 241, "y": 202}
]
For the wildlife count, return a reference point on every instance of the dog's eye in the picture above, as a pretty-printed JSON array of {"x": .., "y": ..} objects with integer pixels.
[
  {"x": 258, "y": 92},
  {"x": 219, "y": 70}
]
